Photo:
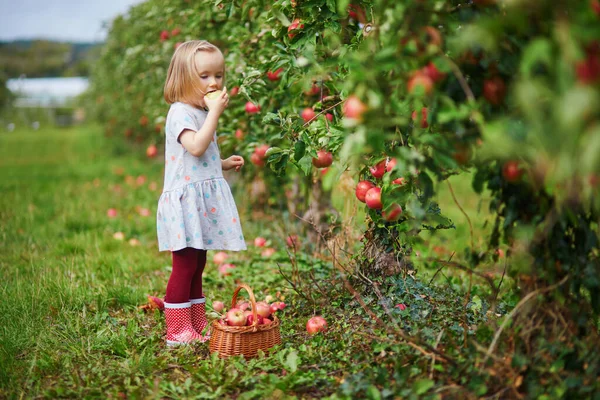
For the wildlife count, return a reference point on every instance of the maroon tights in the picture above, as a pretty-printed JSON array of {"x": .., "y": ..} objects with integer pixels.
[{"x": 185, "y": 282}]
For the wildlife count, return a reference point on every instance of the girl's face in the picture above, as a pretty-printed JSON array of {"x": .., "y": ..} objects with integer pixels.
[{"x": 211, "y": 68}]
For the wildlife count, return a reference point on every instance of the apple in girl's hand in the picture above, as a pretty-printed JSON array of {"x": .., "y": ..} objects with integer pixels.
[
  {"x": 307, "y": 114},
  {"x": 213, "y": 95},
  {"x": 354, "y": 108},
  {"x": 218, "y": 306},
  {"x": 111, "y": 213},
  {"x": 378, "y": 170},
  {"x": 362, "y": 188},
  {"x": 316, "y": 324},
  {"x": 392, "y": 213},
  {"x": 263, "y": 309},
  {"x": 373, "y": 198},
  {"x": 220, "y": 257},
  {"x": 323, "y": 160},
  {"x": 260, "y": 241},
  {"x": 235, "y": 317}
]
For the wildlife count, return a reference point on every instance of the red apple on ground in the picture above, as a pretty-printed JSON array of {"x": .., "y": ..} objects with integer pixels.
[
  {"x": 362, "y": 188},
  {"x": 111, "y": 213},
  {"x": 292, "y": 241},
  {"x": 225, "y": 269},
  {"x": 378, "y": 170},
  {"x": 420, "y": 80},
  {"x": 218, "y": 306},
  {"x": 315, "y": 325},
  {"x": 235, "y": 317},
  {"x": 252, "y": 108},
  {"x": 354, "y": 108},
  {"x": 156, "y": 302},
  {"x": 323, "y": 160},
  {"x": 494, "y": 90},
  {"x": 175, "y": 32},
  {"x": 274, "y": 75},
  {"x": 511, "y": 171},
  {"x": 392, "y": 213},
  {"x": 144, "y": 120},
  {"x": 260, "y": 241},
  {"x": 220, "y": 257},
  {"x": 164, "y": 35},
  {"x": 274, "y": 308},
  {"x": 373, "y": 198},
  {"x": 307, "y": 114},
  {"x": 151, "y": 151},
  {"x": 268, "y": 252},
  {"x": 401, "y": 306}
]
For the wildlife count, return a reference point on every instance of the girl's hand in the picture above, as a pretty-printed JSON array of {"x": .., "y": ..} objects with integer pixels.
[
  {"x": 219, "y": 103},
  {"x": 236, "y": 162}
]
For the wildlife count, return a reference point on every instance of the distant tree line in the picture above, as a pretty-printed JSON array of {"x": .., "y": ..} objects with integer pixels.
[{"x": 42, "y": 58}]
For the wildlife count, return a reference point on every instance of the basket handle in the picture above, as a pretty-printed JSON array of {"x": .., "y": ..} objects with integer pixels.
[{"x": 252, "y": 301}]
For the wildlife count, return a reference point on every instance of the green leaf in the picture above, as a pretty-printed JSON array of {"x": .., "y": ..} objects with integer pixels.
[
  {"x": 291, "y": 361},
  {"x": 299, "y": 150},
  {"x": 422, "y": 386}
]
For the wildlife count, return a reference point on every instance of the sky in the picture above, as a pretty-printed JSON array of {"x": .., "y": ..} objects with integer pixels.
[{"x": 64, "y": 20}]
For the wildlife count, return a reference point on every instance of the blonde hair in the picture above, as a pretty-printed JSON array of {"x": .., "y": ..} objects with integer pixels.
[{"x": 182, "y": 77}]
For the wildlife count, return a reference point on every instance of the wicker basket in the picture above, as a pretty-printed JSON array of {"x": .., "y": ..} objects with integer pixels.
[{"x": 246, "y": 340}]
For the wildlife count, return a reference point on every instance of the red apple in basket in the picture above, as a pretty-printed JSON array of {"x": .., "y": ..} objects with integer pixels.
[
  {"x": 250, "y": 320},
  {"x": 235, "y": 317},
  {"x": 263, "y": 309},
  {"x": 218, "y": 306},
  {"x": 267, "y": 321},
  {"x": 243, "y": 305},
  {"x": 316, "y": 324}
]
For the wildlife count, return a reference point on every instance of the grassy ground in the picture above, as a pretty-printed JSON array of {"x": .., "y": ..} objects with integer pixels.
[{"x": 71, "y": 325}]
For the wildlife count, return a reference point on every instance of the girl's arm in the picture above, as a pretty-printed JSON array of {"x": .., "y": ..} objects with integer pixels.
[{"x": 197, "y": 142}]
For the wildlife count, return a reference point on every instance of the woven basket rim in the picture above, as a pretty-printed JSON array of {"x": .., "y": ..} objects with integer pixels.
[{"x": 246, "y": 329}]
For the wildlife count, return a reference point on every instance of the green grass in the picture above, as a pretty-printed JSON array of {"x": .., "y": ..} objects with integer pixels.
[{"x": 71, "y": 325}]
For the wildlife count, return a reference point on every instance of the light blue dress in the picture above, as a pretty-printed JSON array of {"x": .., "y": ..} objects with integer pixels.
[{"x": 196, "y": 208}]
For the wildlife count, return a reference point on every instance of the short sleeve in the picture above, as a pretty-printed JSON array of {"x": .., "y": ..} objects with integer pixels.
[{"x": 180, "y": 119}]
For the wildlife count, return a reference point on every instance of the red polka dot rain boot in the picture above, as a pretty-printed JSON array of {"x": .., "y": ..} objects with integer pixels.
[
  {"x": 179, "y": 324},
  {"x": 199, "y": 321}
]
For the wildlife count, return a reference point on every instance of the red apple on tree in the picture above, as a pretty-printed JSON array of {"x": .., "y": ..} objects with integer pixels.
[
  {"x": 511, "y": 171},
  {"x": 261, "y": 150},
  {"x": 354, "y": 108},
  {"x": 329, "y": 116},
  {"x": 373, "y": 198},
  {"x": 252, "y": 108},
  {"x": 323, "y": 160},
  {"x": 256, "y": 160},
  {"x": 424, "y": 123},
  {"x": 399, "y": 181},
  {"x": 294, "y": 26},
  {"x": 431, "y": 71},
  {"x": 422, "y": 81},
  {"x": 235, "y": 317},
  {"x": 274, "y": 76},
  {"x": 307, "y": 114},
  {"x": 378, "y": 170},
  {"x": 315, "y": 325},
  {"x": 292, "y": 241},
  {"x": 494, "y": 90},
  {"x": 392, "y": 213},
  {"x": 234, "y": 91},
  {"x": 239, "y": 134},
  {"x": 391, "y": 164},
  {"x": 362, "y": 188}
]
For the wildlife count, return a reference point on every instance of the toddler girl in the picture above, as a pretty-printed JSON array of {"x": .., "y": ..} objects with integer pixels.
[{"x": 196, "y": 211}]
